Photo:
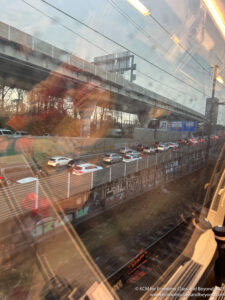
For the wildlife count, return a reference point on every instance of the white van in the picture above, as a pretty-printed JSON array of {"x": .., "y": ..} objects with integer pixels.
[
  {"x": 6, "y": 132},
  {"x": 116, "y": 132}
]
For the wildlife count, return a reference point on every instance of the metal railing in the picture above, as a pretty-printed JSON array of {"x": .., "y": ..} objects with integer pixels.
[{"x": 168, "y": 166}]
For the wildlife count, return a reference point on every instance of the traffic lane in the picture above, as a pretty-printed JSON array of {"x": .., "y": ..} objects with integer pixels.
[{"x": 92, "y": 158}]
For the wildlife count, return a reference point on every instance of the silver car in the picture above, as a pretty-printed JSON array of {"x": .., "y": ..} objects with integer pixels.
[
  {"x": 112, "y": 158},
  {"x": 124, "y": 150}
]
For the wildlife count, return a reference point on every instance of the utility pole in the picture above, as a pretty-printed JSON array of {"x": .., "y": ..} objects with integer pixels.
[
  {"x": 210, "y": 115},
  {"x": 214, "y": 80}
]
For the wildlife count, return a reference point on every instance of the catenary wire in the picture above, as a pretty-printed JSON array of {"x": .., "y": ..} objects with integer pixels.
[
  {"x": 55, "y": 20},
  {"x": 120, "y": 45}
]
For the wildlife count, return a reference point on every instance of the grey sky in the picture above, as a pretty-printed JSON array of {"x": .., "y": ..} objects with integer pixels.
[{"x": 187, "y": 19}]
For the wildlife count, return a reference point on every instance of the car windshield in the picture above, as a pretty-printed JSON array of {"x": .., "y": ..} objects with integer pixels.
[
  {"x": 77, "y": 168},
  {"x": 7, "y": 132},
  {"x": 112, "y": 149}
]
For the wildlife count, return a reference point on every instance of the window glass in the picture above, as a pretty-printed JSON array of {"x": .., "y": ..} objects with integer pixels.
[{"x": 100, "y": 81}]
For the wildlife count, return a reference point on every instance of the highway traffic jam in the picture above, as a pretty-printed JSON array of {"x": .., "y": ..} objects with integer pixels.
[{"x": 78, "y": 166}]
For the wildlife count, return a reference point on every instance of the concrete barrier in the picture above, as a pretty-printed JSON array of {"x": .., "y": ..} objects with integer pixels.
[
  {"x": 41, "y": 148},
  {"x": 145, "y": 135}
]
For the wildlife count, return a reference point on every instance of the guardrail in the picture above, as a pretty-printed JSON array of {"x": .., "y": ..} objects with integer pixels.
[{"x": 65, "y": 185}]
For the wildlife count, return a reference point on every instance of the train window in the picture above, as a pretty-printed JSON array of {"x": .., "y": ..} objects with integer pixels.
[{"x": 134, "y": 90}]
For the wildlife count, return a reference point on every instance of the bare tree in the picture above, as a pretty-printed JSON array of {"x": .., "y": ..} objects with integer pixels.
[
  {"x": 5, "y": 94},
  {"x": 20, "y": 95}
]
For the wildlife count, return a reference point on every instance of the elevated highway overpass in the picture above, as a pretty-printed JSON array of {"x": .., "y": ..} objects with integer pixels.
[{"x": 26, "y": 61}]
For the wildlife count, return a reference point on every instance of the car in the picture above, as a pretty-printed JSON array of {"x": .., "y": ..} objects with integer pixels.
[
  {"x": 182, "y": 142},
  {"x": 20, "y": 133},
  {"x": 124, "y": 150},
  {"x": 150, "y": 149},
  {"x": 214, "y": 137},
  {"x": 85, "y": 169},
  {"x": 112, "y": 158},
  {"x": 46, "y": 134},
  {"x": 6, "y": 132},
  {"x": 75, "y": 161},
  {"x": 172, "y": 145},
  {"x": 141, "y": 147},
  {"x": 131, "y": 157},
  {"x": 193, "y": 141},
  {"x": 163, "y": 147},
  {"x": 132, "y": 152},
  {"x": 57, "y": 161},
  {"x": 116, "y": 132}
]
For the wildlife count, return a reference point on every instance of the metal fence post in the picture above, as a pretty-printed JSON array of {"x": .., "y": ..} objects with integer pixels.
[
  {"x": 110, "y": 174},
  {"x": 137, "y": 166},
  {"x": 92, "y": 179},
  {"x": 68, "y": 184},
  {"x": 37, "y": 193},
  {"x": 125, "y": 169},
  {"x": 147, "y": 162}
]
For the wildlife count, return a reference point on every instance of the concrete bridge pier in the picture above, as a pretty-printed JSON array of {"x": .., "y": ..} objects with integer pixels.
[
  {"x": 85, "y": 112},
  {"x": 144, "y": 118}
]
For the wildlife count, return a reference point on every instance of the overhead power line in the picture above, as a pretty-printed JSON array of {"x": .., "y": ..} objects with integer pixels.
[
  {"x": 135, "y": 24},
  {"x": 108, "y": 38},
  {"x": 182, "y": 46},
  {"x": 77, "y": 34},
  {"x": 122, "y": 12},
  {"x": 162, "y": 83},
  {"x": 120, "y": 45},
  {"x": 65, "y": 27},
  {"x": 141, "y": 29}
]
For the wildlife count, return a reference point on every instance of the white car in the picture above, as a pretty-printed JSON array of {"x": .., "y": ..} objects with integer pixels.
[
  {"x": 6, "y": 132},
  {"x": 163, "y": 147},
  {"x": 57, "y": 161},
  {"x": 173, "y": 145},
  {"x": 112, "y": 158},
  {"x": 85, "y": 169},
  {"x": 149, "y": 149},
  {"x": 132, "y": 152},
  {"x": 124, "y": 150},
  {"x": 131, "y": 157}
]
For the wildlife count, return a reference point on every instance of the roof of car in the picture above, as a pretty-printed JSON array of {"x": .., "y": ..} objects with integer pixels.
[
  {"x": 87, "y": 165},
  {"x": 109, "y": 153},
  {"x": 56, "y": 157},
  {"x": 27, "y": 179}
]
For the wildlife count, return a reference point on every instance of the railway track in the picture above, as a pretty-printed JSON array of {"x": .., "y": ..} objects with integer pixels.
[
  {"x": 148, "y": 256},
  {"x": 157, "y": 253}
]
